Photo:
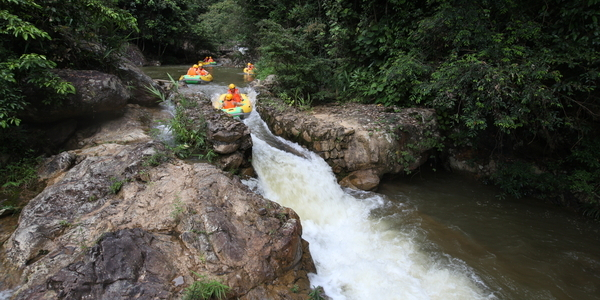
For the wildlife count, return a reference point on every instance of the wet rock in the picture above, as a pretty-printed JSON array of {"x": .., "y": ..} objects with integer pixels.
[
  {"x": 366, "y": 180},
  {"x": 228, "y": 137},
  {"x": 135, "y": 55},
  {"x": 111, "y": 225}
]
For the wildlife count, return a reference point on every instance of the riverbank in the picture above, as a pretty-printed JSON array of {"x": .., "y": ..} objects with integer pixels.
[{"x": 121, "y": 217}]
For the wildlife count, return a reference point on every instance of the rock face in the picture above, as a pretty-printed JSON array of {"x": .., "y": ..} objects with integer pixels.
[
  {"x": 118, "y": 220},
  {"x": 360, "y": 142},
  {"x": 139, "y": 83},
  {"x": 96, "y": 93}
]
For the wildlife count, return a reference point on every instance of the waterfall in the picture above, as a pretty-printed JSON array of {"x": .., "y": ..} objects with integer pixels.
[{"x": 357, "y": 254}]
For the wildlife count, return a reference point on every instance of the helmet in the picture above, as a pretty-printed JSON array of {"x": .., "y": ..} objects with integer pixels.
[
  {"x": 228, "y": 97},
  {"x": 195, "y": 66},
  {"x": 232, "y": 86},
  {"x": 249, "y": 64}
]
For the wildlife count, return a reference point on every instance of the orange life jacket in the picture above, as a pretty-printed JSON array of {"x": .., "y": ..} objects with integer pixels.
[
  {"x": 228, "y": 104},
  {"x": 192, "y": 71},
  {"x": 203, "y": 72},
  {"x": 236, "y": 94}
]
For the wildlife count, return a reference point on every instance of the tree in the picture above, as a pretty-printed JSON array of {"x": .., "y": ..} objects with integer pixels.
[
  {"x": 37, "y": 36},
  {"x": 170, "y": 26}
]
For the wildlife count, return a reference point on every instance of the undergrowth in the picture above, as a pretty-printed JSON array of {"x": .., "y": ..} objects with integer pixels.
[{"x": 204, "y": 288}]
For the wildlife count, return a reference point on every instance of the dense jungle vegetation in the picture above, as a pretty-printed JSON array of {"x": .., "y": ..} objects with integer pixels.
[{"x": 513, "y": 81}]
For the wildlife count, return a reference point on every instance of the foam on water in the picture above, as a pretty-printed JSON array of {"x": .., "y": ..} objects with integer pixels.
[{"x": 357, "y": 256}]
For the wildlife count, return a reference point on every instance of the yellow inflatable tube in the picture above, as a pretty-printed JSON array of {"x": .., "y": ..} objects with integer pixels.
[{"x": 242, "y": 111}]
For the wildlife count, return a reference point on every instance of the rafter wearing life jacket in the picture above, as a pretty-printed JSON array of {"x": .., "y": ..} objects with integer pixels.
[
  {"x": 228, "y": 102},
  {"x": 193, "y": 71},
  {"x": 235, "y": 92}
]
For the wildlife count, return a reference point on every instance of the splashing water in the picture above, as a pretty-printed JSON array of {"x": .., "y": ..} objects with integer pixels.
[{"x": 357, "y": 255}]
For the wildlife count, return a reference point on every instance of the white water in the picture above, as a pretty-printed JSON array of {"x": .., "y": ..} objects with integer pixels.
[{"x": 357, "y": 256}]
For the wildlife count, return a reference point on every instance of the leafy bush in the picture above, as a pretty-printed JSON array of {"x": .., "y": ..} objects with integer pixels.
[
  {"x": 190, "y": 132},
  {"x": 168, "y": 28},
  {"x": 286, "y": 53},
  {"x": 515, "y": 179},
  {"x": 583, "y": 166}
]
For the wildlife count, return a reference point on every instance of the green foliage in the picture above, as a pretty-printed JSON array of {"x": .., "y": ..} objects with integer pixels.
[
  {"x": 592, "y": 211},
  {"x": 169, "y": 25},
  {"x": 295, "y": 98},
  {"x": 64, "y": 223},
  {"x": 116, "y": 185},
  {"x": 178, "y": 209},
  {"x": 155, "y": 159},
  {"x": 156, "y": 92},
  {"x": 316, "y": 293},
  {"x": 295, "y": 55},
  {"x": 583, "y": 176},
  {"x": 222, "y": 23},
  {"x": 505, "y": 97},
  {"x": 405, "y": 159},
  {"x": 396, "y": 82},
  {"x": 578, "y": 174},
  {"x": 10, "y": 208},
  {"x": 205, "y": 289},
  {"x": 517, "y": 179},
  {"x": 35, "y": 35},
  {"x": 190, "y": 132},
  {"x": 19, "y": 174}
]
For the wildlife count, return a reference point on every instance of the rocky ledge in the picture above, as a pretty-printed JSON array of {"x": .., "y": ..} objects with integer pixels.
[{"x": 360, "y": 142}]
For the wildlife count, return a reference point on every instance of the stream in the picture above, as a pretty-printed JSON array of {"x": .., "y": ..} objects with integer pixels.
[{"x": 429, "y": 235}]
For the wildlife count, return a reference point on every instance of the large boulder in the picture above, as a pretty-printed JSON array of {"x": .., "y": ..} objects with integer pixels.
[
  {"x": 139, "y": 84},
  {"x": 119, "y": 219},
  {"x": 135, "y": 55},
  {"x": 372, "y": 139},
  {"x": 123, "y": 64},
  {"x": 96, "y": 94}
]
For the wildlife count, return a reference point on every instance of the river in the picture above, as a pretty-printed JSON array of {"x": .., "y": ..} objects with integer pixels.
[{"x": 430, "y": 235}]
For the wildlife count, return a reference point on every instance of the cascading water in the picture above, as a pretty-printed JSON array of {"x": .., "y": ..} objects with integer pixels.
[
  {"x": 435, "y": 235},
  {"x": 357, "y": 255},
  {"x": 164, "y": 133}
]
